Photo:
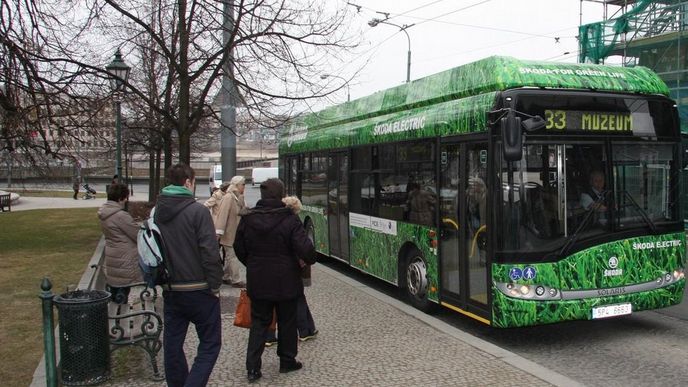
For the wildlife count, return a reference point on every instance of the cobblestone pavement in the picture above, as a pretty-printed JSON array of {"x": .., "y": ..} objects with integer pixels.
[{"x": 366, "y": 339}]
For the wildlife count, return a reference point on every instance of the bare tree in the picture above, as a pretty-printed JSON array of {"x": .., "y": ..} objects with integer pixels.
[
  {"x": 275, "y": 53},
  {"x": 276, "y": 49},
  {"x": 45, "y": 113}
]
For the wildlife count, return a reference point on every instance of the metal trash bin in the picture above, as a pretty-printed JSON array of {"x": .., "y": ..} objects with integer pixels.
[{"x": 84, "y": 340}]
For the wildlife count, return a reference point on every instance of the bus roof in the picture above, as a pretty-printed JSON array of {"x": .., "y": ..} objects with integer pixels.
[{"x": 484, "y": 77}]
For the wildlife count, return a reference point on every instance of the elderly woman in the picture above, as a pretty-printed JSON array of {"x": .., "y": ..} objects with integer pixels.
[
  {"x": 226, "y": 222},
  {"x": 121, "y": 256}
]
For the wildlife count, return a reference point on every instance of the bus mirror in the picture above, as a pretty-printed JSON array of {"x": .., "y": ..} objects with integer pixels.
[
  {"x": 512, "y": 142},
  {"x": 533, "y": 123}
]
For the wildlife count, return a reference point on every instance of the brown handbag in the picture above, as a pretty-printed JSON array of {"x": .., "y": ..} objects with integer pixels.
[{"x": 242, "y": 316}]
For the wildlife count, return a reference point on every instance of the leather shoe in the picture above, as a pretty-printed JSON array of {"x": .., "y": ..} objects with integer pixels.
[
  {"x": 253, "y": 375},
  {"x": 284, "y": 368}
]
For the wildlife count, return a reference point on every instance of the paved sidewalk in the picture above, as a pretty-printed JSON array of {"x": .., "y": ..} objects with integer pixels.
[
  {"x": 34, "y": 203},
  {"x": 366, "y": 339}
]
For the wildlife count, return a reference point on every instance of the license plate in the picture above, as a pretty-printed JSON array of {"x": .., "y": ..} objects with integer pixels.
[{"x": 611, "y": 310}]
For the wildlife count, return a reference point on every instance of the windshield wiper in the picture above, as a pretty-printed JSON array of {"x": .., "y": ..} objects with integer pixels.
[
  {"x": 642, "y": 212},
  {"x": 588, "y": 215}
]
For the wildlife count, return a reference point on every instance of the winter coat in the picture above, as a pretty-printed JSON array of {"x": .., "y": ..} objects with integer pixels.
[
  {"x": 213, "y": 202},
  {"x": 227, "y": 219},
  {"x": 269, "y": 241},
  {"x": 121, "y": 256},
  {"x": 192, "y": 252}
]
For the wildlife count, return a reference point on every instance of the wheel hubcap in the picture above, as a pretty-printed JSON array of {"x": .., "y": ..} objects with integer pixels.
[{"x": 416, "y": 277}]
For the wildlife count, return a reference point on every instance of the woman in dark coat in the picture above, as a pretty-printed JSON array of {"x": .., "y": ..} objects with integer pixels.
[{"x": 269, "y": 241}]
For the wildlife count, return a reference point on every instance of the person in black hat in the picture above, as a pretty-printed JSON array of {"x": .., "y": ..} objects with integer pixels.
[{"x": 270, "y": 240}]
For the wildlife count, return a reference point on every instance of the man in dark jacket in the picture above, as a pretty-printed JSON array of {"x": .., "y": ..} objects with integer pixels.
[
  {"x": 192, "y": 296},
  {"x": 269, "y": 241}
]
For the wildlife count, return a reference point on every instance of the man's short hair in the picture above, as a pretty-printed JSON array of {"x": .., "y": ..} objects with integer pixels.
[
  {"x": 117, "y": 192},
  {"x": 179, "y": 173},
  {"x": 272, "y": 189}
]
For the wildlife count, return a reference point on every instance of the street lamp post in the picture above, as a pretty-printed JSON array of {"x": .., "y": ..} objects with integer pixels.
[
  {"x": 375, "y": 21},
  {"x": 348, "y": 90},
  {"x": 118, "y": 72}
]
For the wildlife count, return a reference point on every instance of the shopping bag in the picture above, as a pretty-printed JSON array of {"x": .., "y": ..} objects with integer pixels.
[{"x": 242, "y": 316}]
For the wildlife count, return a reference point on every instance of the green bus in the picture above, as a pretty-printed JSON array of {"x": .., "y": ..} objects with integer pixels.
[{"x": 515, "y": 192}]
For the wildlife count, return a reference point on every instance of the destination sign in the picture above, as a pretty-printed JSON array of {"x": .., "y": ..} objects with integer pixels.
[{"x": 589, "y": 121}]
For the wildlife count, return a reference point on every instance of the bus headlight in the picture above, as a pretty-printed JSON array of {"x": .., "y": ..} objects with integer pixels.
[
  {"x": 529, "y": 292},
  {"x": 670, "y": 278}
]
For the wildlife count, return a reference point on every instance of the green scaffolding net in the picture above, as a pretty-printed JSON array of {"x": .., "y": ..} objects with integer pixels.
[{"x": 597, "y": 40}]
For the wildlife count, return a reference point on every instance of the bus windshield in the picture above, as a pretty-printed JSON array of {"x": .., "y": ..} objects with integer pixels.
[{"x": 560, "y": 194}]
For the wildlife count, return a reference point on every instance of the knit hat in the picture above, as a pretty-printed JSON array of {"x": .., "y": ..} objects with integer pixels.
[{"x": 272, "y": 189}]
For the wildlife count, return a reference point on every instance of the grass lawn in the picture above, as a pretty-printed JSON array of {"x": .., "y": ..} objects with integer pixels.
[{"x": 54, "y": 243}]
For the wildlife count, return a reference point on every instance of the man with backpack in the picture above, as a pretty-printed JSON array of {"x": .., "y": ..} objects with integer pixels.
[{"x": 195, "y": 276}]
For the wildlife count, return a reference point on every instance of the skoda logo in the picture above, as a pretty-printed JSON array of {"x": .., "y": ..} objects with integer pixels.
[{"x": 613, "y": 262}]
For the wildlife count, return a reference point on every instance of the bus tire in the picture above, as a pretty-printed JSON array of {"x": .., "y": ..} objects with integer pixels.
[{"x": 414, "y": 281}]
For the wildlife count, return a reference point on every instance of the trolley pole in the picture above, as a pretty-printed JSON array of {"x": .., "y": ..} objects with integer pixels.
[{"x": 46, "y": 297}]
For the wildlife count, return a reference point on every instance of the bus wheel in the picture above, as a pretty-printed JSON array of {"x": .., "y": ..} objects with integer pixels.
[{"x": 416, "y": 281}]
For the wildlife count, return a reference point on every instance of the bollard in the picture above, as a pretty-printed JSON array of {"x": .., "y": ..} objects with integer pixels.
[{"x": 46, "y": 297}]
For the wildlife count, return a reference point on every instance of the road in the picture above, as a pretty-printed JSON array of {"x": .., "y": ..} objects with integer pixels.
[{"x": 644, "y": 349}]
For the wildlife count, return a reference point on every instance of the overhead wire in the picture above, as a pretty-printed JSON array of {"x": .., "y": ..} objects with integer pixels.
[{"x": 436, "y": 19}]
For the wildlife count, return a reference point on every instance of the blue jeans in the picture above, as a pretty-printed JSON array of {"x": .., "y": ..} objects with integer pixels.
[{"x": 201, "y": 308}]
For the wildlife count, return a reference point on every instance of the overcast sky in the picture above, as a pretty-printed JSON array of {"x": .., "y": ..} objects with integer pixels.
[{"x": 449, "y": 33}]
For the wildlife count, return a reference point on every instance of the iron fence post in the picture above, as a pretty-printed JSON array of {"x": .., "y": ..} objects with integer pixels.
[{"x": 48, "y": 333}]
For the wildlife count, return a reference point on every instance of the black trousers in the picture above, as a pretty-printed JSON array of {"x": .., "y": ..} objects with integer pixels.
[{"x": 287, "y": 338}]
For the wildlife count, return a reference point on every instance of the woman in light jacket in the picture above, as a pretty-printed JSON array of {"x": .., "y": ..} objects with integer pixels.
[
  {"x": 121, "y": 255},
  {"x": 213, "y": 202}
]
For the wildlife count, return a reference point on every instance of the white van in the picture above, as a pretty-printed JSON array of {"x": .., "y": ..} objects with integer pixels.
[
  {"x": 215, "y": 178},
  {"x": 259, "y": 175}
]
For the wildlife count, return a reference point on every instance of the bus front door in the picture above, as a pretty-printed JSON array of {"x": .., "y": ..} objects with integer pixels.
[
  {"x": 338, "y": 204},
  {"x": 463, "y": 227}
]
